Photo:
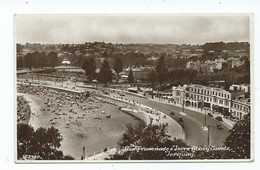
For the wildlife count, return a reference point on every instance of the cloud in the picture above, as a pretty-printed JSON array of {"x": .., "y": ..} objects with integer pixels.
[{"x": 134, "y": 28}]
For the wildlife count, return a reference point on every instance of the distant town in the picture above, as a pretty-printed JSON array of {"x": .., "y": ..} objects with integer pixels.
[{"x": 217, "y": 65}]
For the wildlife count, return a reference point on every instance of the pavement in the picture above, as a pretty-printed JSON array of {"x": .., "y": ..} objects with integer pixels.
[{"x": 102, "y": 155}]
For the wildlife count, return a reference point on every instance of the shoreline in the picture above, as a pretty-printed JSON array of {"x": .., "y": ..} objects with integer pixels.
[
  {"x": 34, "y": 109},
  {"x": 112, "y": 128},
  {"x": 28, "y": 115}
]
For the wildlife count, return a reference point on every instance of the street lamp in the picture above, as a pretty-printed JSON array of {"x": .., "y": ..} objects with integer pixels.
[
  {"x": 208, "y": 138},
  {"x": 182, "y": 104},
  {"x": 152, "y": 93},
  {"x": 84, "y": 153},
  {"x": 183, "y": 95},
  {"x": 205, "y": 119}
]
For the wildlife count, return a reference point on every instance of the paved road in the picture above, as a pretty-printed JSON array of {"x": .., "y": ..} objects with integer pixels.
[{"x": 192, "y": 125}]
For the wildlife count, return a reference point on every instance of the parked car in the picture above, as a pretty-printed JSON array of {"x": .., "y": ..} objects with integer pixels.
[
  {"x": 180, "y": 119},
  {"x": 219, "y": 118},
  {"x": 210, "y": 115},
  {"x": 94, "y": 81},
  {"x": 219, "y": 127}
]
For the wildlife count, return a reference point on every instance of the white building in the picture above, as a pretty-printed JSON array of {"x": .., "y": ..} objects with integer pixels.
[
  {"x": 65, "y": 62},
  {"x": 198, "y": 96},
  {"x": 241, "y": 87},
  {"x": 240, "y": 107}
]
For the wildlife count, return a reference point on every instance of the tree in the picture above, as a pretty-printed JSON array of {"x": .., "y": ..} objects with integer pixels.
[
  {"x": 78, "y": 59},
  {"x": 238, "y": 142},
  {"x": 118, "y": 66},
  {"x": 89, "y": 65},
  {"x": 105, "y": 74},
  {"x": 52, "y": 59},
  {"x": 246, "y": 65},
  {"x": 227, "y": 85},
  {"x": 152, "y": 77},
  {"x": 28, "y": 61},
  {"x": 239, "y": 139},
  {"x": 36, "y": 59},
  {"x": 130, "y": 77},
  {"x": 161, "y": 70},
  {"x": 24, "y": 139},
  {"x": 42, "y": 142},
  {"x": 42, "y": 59},
  {"x": 151, "y": 136},
  {"x": 19, "y": 62}
]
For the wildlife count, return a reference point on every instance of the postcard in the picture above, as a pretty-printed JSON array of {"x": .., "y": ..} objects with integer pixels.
[{"x": 134, "y": 87}]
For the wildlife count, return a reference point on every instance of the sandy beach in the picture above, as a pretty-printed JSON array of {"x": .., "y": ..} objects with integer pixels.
[{"x": 94, "y": 130}]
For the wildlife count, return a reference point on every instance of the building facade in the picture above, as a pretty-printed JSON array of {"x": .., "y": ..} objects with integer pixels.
[
  {"x": 240, "y": 108},
  {"x": 139, "y": 73},
  {"x": 211, "y": 98}
]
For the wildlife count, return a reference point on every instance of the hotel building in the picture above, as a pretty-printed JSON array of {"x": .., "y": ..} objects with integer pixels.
[{"x": 198, "y": 96}]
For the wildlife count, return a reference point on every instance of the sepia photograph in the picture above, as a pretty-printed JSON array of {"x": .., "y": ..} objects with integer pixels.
[{"x": 134, "y": 87}]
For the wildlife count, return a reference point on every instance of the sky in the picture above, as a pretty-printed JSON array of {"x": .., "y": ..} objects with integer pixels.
[{"x": 132, "y": 28}]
